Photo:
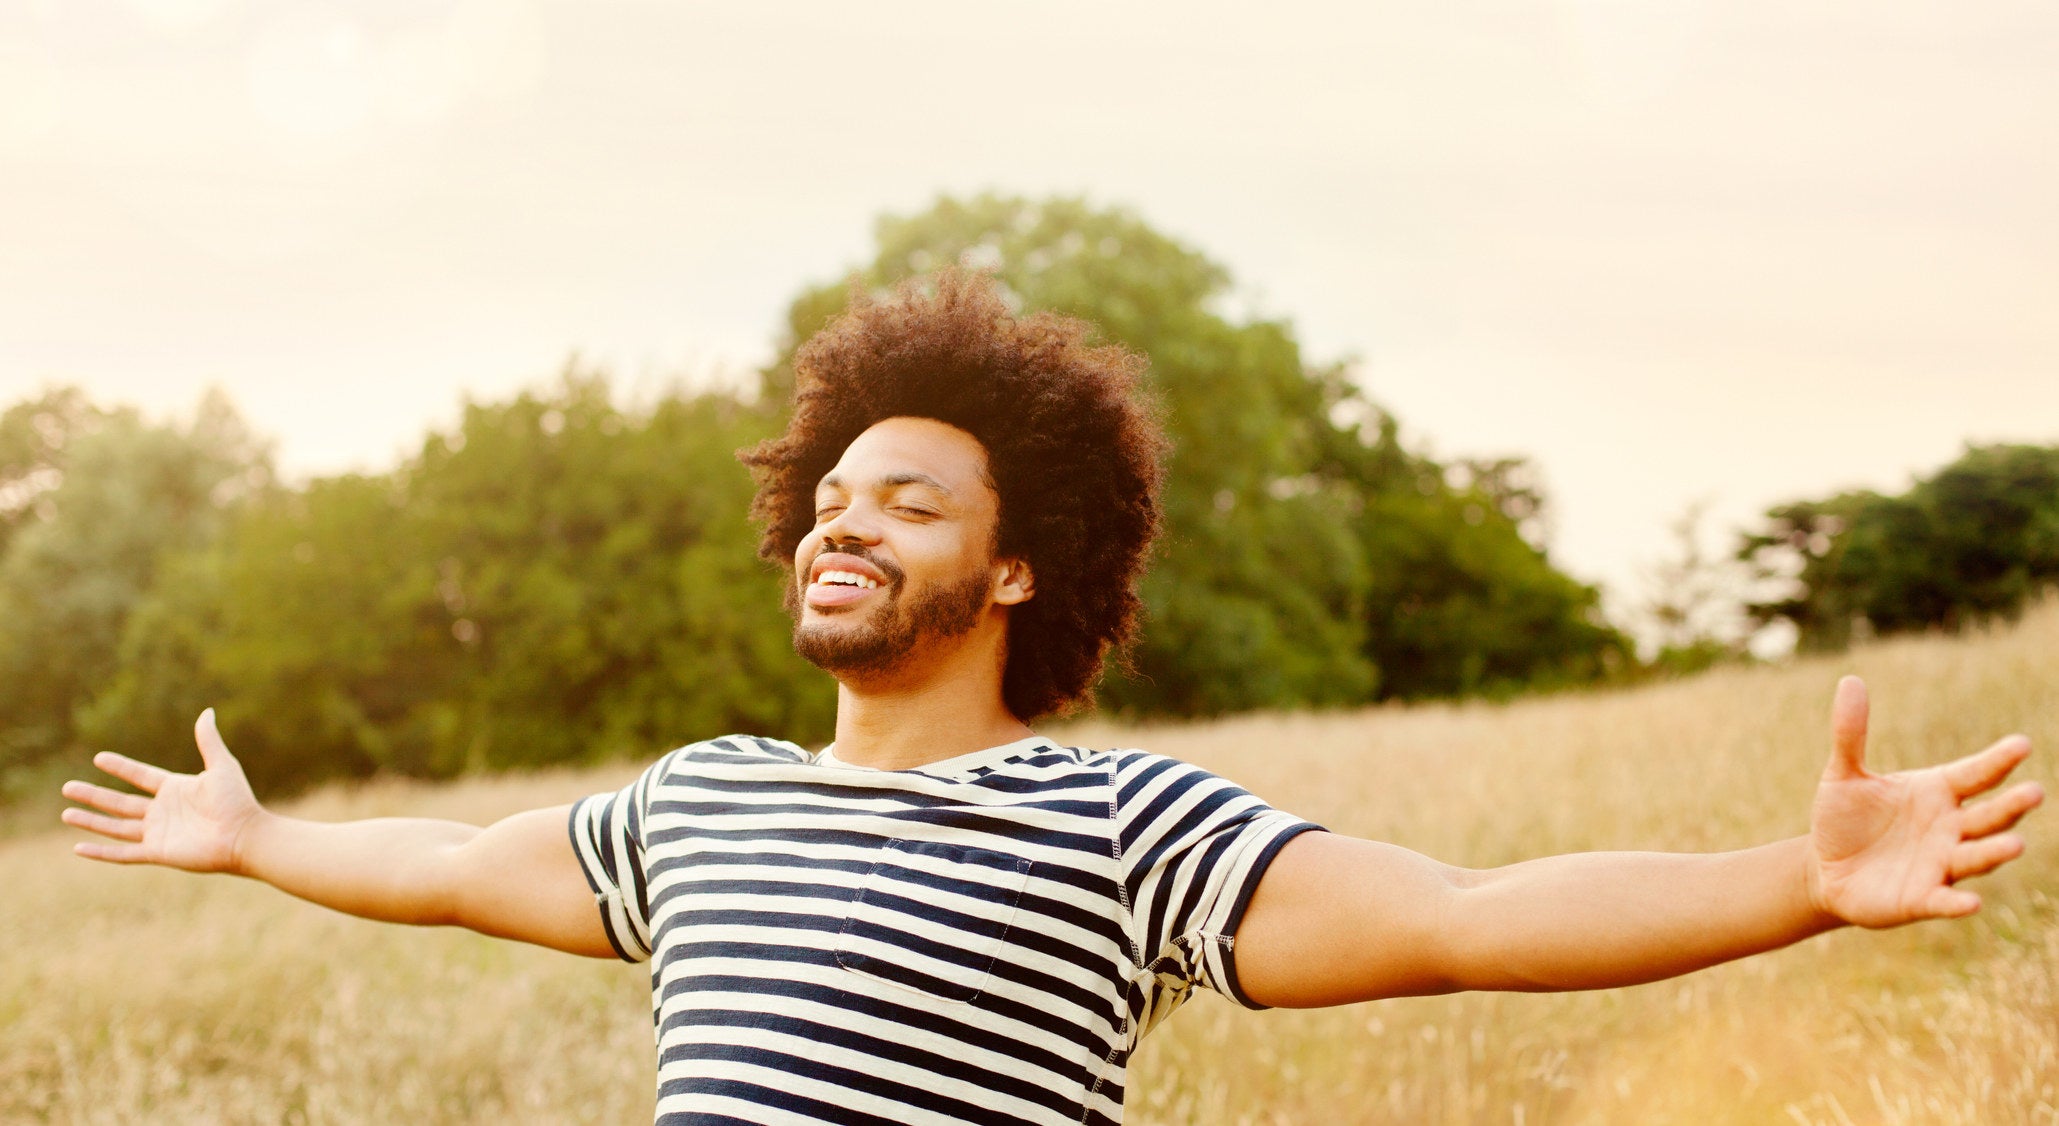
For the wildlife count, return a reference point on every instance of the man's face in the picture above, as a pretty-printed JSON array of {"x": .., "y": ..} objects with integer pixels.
[{"x": 902, "y": 549}]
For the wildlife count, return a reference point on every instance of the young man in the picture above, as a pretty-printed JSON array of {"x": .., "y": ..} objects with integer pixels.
[{"x": 946, "y": 917}]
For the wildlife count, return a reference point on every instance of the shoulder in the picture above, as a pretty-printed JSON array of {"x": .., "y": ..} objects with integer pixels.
[
  {"x": 1139, "y": 772},
  {"x": 1111, "y": 759},
  {"x": 682, "y": 764},
  {"x": 1157, "y": 794},
  {"x": 1117, "y": 766},
  {"x": 1129, "y": 768},
  {"x": 1147, "y": 784},
  {"x": 732, "y": 749},
  {"x": 753, "y": 748}
]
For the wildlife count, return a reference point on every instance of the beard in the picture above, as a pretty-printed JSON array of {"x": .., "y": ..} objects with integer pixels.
[{"x": 892, "y": 633}]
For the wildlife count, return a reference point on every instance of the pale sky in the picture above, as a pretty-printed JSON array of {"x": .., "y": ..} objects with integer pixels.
[{"x": 1748, "y": 251}]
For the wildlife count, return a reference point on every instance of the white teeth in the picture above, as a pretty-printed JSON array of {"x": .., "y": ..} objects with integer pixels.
[{"x": 845, "y": 578}]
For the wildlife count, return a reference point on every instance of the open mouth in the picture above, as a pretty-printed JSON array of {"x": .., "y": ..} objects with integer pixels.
[
  {"x": 839, "y": 579},
  {"x": 844, "y": 578}
]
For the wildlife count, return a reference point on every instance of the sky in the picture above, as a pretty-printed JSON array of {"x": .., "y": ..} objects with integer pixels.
[{"x": 1673, "y": 252}]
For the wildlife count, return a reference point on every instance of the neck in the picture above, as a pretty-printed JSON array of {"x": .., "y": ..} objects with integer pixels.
[{"x": 937, "y": 710}]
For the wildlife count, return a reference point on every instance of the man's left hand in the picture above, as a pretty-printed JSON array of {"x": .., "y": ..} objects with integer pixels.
[{"x": 1888, "y": 849}]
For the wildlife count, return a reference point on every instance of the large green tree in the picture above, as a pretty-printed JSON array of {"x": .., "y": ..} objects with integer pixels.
[
  {"x": 1975, "y": 540},
  {"x": 1308, "y": 558},
  {"x": 556, "y": 580},
  {"x": 92, "y": 501},
  {"x": 1255, "y": 599},
  {"x": 560, "y": 578}
]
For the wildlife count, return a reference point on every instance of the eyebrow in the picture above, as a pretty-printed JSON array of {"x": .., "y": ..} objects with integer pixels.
[{"x": 891, "y": 480}]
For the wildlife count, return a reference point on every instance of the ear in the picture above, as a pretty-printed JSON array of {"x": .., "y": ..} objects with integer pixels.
[{"x": 1013, "y": 582}]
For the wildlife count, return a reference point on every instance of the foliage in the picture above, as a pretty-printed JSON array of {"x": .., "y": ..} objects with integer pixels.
[
  {"x": 1253, "y": 599},
  {"x": 1977, "y": 540},
  {"x": 1288, "y": 495},
  {"x": 558, "y": 580},
  {"x": 95, "y": 500},
  {"x": 36, "y": 439},
  {"x": 564, "y": 579},
  {"x": 1460, "y": 604}
]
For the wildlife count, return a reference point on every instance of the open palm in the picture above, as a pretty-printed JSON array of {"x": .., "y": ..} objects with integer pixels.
[
  {"x": 1889, "y": 848},
  {"x": 189, "y": 821}
]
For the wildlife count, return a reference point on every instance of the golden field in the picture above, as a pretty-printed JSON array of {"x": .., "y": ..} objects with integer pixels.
[{"x": 139, "y": 995}]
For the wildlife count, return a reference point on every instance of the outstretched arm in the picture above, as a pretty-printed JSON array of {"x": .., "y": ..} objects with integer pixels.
[
  {"x": 1338, "y": 920},
  {"x": 517, "y": 878}
]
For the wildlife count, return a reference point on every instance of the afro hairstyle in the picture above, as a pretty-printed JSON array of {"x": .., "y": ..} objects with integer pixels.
[{"x": 1074, "y": 450}]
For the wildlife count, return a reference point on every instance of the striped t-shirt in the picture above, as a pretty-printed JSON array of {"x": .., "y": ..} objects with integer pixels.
[{"x": 983, "y": 939}]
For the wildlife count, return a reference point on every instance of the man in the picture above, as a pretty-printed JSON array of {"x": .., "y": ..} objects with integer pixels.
[{"x": 946, "y": 917}]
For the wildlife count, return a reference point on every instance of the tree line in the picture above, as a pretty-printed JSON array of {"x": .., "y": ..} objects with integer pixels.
[
  {"x": 563, "y": 577},
  {"x": 1975, "y": 541}
]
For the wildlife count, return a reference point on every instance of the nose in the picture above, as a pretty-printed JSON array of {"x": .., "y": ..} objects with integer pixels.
[{"x": 850, "y": 526}]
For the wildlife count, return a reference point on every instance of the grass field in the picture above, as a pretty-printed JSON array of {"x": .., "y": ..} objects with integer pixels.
[{"x": 132, "y": 996}]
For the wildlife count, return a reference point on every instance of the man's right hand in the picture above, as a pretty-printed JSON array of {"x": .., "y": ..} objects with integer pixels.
[
  {"x": 190, "y": 821},
  {"x": 517, "y": 878}
]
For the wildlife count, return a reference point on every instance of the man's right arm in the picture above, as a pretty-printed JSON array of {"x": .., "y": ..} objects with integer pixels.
[{"x": 517, "y": 878}]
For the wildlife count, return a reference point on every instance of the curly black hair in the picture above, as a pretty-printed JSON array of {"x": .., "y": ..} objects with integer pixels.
[{"x": 1073, "y": 445}]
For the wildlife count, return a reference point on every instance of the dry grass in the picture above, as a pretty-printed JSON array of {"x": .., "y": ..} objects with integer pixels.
[
  {"x": 132, "y": 995},
  {"x": 145, "y": 996}
]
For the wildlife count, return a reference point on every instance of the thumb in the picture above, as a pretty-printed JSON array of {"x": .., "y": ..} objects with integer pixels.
[
  {"x": 1848, "y": 730},
  {"x": 213, "y": 752}
]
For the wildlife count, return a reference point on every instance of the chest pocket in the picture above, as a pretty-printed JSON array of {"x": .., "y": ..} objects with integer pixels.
[{"x": 932, "y": 917}]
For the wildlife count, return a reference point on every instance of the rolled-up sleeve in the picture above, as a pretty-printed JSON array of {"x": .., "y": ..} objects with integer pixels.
[
  {"x": 607, "y": 836},
  {"x": 1194, "y": 850}
]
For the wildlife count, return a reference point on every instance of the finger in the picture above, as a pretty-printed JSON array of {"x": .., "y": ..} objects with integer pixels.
[
  {"x": 120, "y": 828},
  {"x": 112, "y": 853},
  {"x": 1951, "y": 903},
  {"x": 141, "y": 775},
  {"x": 1978, "y": 858},
  {"x": 116, "y": 801},
  {"x": 1980, "y": 772},
  {"x": 213, "y": 752},
  {"x": 1848, "y": 730},
  {"x": 2001, "y": 811}
]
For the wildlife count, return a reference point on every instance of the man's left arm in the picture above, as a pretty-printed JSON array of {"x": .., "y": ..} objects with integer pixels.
[{"x": 1336, "y": 919}]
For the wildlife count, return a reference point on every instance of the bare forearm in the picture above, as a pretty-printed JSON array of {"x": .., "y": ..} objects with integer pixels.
[
  {"x": 1595, "y": 920},
  {"x": 1336, "y": 920},
  {"x": 517, "y": 878},
  {"x": 392, "y": 869}
]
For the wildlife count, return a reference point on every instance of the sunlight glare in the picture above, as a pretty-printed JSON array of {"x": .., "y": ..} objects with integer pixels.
[
  {"x": 309, "y": 77},
  {"x": 178, "y": 15},
  {"x": 28, "y": 96}
]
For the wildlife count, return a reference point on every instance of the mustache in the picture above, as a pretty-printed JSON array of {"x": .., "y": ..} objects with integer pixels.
[{"x": 886, "y": 566}]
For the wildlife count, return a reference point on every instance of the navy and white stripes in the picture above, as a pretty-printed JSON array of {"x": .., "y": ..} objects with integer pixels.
[{"x": 980, "y": 940}]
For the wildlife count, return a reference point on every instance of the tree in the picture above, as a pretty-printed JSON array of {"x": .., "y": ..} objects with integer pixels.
[
  {"x": 1974, "y": 541},
  {"x": 602, "y": 567},
  {"x": 1254, "y": 599},
  {"x": 100, "y": 498},
  {"x": 1461, "y": 604},
  {"x": 562, "y": 579},
  {"x": 557, "y": 580},
  {"x": 1307, "y": 554},
  {"x": 36, "y": 437}
]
